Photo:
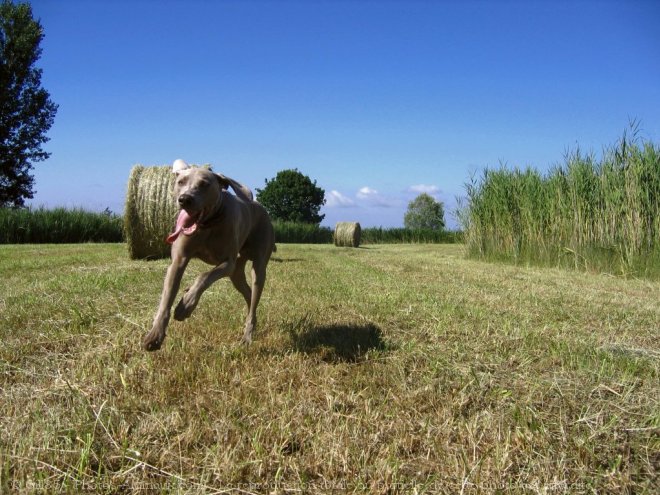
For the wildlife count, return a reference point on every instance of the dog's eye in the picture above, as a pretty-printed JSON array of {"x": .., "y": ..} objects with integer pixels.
[
  {"x": 181, "y": 181},
  {"x": 203, "y": 184}
]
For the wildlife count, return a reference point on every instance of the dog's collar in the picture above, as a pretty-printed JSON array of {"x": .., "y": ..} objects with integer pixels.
[
  {"x": 214, "y": 217},
  {"x": 210, "y": 221}
]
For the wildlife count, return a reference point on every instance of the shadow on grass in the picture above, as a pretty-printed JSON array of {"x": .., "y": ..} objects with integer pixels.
[
  {"x": 286, "y": 260},
  {"x": 338, "y": 343}
]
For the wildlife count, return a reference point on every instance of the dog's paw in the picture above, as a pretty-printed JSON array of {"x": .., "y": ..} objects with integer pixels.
[
  {"x": 247, "y": 334},
  {"x": 153, "y": 340},
  {"x": 185, "y": 308}
]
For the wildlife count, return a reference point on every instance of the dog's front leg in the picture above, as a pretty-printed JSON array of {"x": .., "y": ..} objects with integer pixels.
[{"x": 154, "y": 339}]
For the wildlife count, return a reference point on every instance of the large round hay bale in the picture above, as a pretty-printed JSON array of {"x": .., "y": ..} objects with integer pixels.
[
  {"x": 150, "y": 212},
  {"x": 347, "y": 234}
]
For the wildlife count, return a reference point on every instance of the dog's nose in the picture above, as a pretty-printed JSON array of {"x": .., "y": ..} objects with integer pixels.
[{"x": 185, "y": 200}]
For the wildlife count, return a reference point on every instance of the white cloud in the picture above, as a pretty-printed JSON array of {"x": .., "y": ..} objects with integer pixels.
[
  {"x": 371, "y": 197},
  {"x": 335, "y": 199},
  {"x": 366, "y": 193},
  {"x": 423, "y": 188}
]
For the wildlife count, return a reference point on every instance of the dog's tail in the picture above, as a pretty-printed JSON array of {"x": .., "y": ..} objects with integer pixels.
[{"x": 274, "y": 247}]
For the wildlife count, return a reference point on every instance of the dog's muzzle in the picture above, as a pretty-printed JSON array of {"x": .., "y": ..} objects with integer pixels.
[{"x": 185, "y": 200}]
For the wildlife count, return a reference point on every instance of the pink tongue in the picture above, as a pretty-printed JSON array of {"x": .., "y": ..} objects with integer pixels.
[{"x": 184, "y": 224}]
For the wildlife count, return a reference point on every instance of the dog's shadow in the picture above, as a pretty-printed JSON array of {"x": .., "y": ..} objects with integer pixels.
[
  {"x": 338, "y": 343},
  {"x": 286, "y": 260}
]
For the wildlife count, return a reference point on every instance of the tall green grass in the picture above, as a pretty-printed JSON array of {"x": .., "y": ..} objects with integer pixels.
[
  {"x": 379, "y": 235},
  {"x": 59, "y": 225},
  {"x": 301, "y": 233},
  {"x": 597, "y": 215}
]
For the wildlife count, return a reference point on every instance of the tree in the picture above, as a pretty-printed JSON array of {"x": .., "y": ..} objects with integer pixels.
[
  {"x": 292, "y": 197},
  {"x": 26, "y": 111},
  {"x": 424, "y": 212}
]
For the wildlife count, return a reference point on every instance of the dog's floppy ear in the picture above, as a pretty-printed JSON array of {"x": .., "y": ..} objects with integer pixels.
[
  {"x": 179, "y": 165},
  {"x": 241, "y": 191},
  {"x": 222, "y": 180}
]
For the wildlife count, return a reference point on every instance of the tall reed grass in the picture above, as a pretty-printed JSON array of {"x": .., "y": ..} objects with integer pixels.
[
  {"x": 598, "y": 215},
  {"x": 59, "y": 225},
  {"x": 379, "y": 235},
  {"x": 301, "y": 233}
]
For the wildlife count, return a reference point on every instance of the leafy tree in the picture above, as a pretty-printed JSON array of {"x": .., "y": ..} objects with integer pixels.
[
  {"x": 292, "y": 197},
  {"x": 26, "y": 111},
  {"x": 424, "y": 212}
]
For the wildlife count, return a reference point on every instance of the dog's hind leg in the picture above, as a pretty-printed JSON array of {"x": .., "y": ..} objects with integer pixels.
[
  {"x": 258, "y": 281},
  {"x": 239, "y": 281}
]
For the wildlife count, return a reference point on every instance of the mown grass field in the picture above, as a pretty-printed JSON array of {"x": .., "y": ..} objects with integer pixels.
[{"x": 385, "y": 369}]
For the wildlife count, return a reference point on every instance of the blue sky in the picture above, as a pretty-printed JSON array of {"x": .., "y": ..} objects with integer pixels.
[{"x": 376, "y": 101}]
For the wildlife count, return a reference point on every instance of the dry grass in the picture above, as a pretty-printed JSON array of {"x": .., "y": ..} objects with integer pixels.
[{"x": 391, "y": 369}]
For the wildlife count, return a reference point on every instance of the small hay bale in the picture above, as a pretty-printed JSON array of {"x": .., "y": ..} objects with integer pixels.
[
  {"x": 347, "y": 234},
  {"x": 150, "y": 212}
]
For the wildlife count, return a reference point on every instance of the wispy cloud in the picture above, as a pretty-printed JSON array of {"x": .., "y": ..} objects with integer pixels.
[
  {"x": 371, "y": 197},
  {"x": 367, "y": 193},
  {"x": 335, "y": 199},
  {"x": 423, "y": 188},
  {"x": 365, "y": 198}
]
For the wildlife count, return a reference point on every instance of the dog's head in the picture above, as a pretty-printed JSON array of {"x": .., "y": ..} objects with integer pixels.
[{"x": 198, "y": 192}]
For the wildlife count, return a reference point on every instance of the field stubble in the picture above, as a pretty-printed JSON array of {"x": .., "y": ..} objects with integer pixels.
[{"x": 387, "y": 369}]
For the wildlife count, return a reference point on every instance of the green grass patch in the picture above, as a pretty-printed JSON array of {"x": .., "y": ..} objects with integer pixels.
[
  {"x": 384, "y": 369},
  {"x": 301, "y": 233},
  {"x": 58, "y": 225},
  {"x": 379, "y": 235},
  {"x": 65, "y": 226}
]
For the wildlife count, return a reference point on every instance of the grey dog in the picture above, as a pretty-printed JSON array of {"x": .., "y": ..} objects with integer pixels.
[{"x": 221, "y": 229}]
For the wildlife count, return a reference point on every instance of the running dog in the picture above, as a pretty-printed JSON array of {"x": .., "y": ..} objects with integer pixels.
[{"x": 222, "y": 229}]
